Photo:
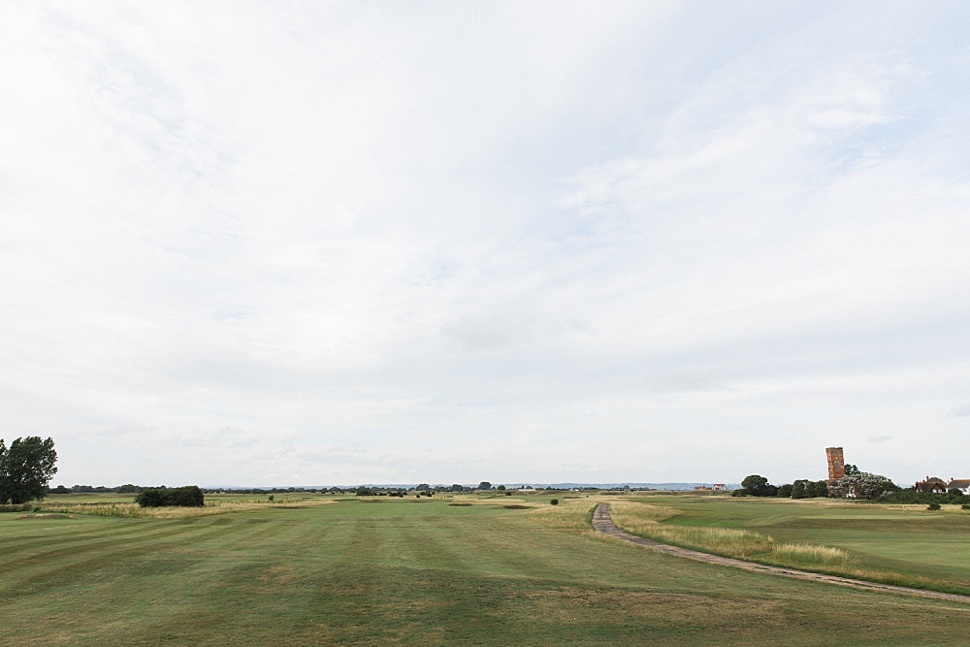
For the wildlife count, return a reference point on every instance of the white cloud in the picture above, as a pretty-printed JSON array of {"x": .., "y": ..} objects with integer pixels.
[{"x": 356, "y": 240}]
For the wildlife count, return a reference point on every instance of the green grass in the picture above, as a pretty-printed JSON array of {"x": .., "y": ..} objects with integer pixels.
[
  {"x": 412, "y": 572},
  {"x": 897, "y": 544}
]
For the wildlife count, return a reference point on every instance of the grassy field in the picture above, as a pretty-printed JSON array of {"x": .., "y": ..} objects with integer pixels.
[
  {"x": 413, "y": 572},
  {"x": 897, "y": 544}
]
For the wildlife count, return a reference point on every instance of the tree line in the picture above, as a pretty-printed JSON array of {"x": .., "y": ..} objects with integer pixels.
[{"x": 856, "y": 484}]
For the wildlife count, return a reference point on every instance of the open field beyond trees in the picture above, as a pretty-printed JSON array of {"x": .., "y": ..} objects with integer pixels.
[{"x": 319, "y": 570}]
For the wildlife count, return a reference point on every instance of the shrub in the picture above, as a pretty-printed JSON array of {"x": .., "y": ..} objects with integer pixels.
[
  {"x": 757, "y": 485},
  {"x": 554, "y": 502},
  {"x": 933, "y": 506},
  {"x": 965, "y": 506},
  {"x": 189, "y": 496},
  {"x": 864, "y": 486}
]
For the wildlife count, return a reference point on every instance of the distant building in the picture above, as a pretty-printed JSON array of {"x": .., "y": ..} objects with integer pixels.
[
  {"x": 932, "y": 484},
  {"x": 959, "y": 484},
  {"x": 836, "y": 463},
  {"x": 719, "y": 486}
]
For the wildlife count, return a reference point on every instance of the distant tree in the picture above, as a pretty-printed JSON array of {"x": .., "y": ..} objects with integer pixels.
[
  {"x": 484, "y": 485},
  {"x": 60, "y": 489},
  {"x": 798, "y": 489},
  {"x": 423, "y": 486},
  {"x": 821, "y": 489},
  {"x": 501, "y": 487},
  {"x": 785, "y": 490},
  {"x": 756, "y": 485},
  {"x": 457, "y": 487},
  {"x": 852, "y": 470},
  {"x": 864, "y": 486},
  {"x": 364, "y": 491},
  {"x": 26, "y": 467}
]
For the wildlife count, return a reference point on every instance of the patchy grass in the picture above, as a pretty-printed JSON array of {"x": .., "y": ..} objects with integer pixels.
[
  {"x": 122, "y": 506},
  {"x": 890, "y": 544},
  {"x": 406, "y": 574}
]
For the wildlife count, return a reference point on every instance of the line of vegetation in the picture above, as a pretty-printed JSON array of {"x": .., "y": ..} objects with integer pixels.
[
  {"x": 855, "y": 485},
  {"x": 189, "y": 496},
  {"x": 131, "y": 510}
]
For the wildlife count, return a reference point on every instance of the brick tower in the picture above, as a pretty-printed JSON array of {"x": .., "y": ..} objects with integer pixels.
[{"x": 833, "y": 455}]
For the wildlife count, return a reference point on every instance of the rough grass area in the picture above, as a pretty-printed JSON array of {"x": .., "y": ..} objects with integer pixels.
[
  {"x": 853, "y": 540},
  {"x": 413, "y": 573},
  {"x": 130, "y": 510}
]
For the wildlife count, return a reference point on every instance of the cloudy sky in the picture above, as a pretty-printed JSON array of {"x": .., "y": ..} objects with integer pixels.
[{"x": 314, "y": 243}]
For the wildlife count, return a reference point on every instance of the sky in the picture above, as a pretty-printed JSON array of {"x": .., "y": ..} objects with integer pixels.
[{"x": 317, "y": 243}]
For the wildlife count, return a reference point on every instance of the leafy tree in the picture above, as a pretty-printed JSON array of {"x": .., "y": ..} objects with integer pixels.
[
  {"x": 852, "y": 470},
  {"x": 810, "y": 489},
  {"x": 756, "y": 485},
  {"x": 864, "y": 486},
  {"x": 484, "y": 485},
  {"x": 785, "y": 490},
  {"x": 821, "y": 489},
  {"x": 26, "y": 467},
  {"x": 457, "y": 487},
  {"x": 799, "y": 489},
  {"x": 501, "y": 487}
]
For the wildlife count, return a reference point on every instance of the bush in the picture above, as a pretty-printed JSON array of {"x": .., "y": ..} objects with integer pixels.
[
  {"x": 756, "y": 485},
  {"x": 554, "y": 502},
  {"x": 864, "y": 486},
  {"x": 910, "y": 495},
  {"x": 965, "y": 506},
  {"x": 933, "y": 506},
  {"x": 189, "y": 496}
]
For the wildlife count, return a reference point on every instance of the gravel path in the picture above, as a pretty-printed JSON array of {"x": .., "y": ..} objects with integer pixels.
[{"x": 604, "y": 524}]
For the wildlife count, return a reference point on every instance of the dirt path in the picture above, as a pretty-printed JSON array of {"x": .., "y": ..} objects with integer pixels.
[{"x": 604, "y": 524}]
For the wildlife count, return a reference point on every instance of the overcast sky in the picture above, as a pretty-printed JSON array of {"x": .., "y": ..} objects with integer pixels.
[{"x": 314, "y": 243}]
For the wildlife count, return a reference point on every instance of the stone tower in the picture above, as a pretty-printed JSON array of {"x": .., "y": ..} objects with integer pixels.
[{"x": 833, "y": 455}]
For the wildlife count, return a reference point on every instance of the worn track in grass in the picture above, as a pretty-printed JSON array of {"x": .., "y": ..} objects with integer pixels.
[{"x": 603, "y": 523}]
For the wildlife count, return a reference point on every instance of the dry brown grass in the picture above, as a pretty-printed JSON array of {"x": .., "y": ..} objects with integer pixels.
[
  {"x": 645, "y": 520},
  {"x": 133, "y": 510},
  {"x": 571, "y": 514}
]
